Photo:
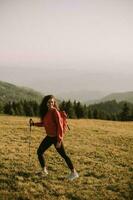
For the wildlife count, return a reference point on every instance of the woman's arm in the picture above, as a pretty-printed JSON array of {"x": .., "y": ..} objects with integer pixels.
[{"x": 39, "y": 124}]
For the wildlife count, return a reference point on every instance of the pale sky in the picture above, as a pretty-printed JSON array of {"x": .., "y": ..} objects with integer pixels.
[{"x": 94, "y": 36}]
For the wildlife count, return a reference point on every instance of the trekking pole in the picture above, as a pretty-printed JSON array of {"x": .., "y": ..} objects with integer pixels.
[
  {"x": 30, "y": 122},
  {"x": 68, "y": 127}
]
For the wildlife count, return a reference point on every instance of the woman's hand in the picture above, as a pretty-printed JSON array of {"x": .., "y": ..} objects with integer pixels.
[
  {"x": 31, "y": 122},
  {"x": 58, "y": 145}
]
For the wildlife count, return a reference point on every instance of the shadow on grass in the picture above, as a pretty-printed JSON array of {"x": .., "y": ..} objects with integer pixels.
[
  {"x": 9, "y": 196},
  {"x": 113, "y": 188},
  {"x": 23, "y": 174},
  {"x": 72, "y": 197},
  {"x": 130, "y": 184},
  {"x": 98, "y": 176}
]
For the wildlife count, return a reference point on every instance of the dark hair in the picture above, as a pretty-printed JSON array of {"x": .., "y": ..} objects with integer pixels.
[{"x": 43, "y": 106}]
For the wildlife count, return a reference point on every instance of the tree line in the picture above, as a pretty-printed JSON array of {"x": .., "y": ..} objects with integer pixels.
[{"x": 110, "y": 110}]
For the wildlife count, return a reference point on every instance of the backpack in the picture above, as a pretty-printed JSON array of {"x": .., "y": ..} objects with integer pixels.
[
  {"x": 63, "y": 116},
  {"x": 64, "y": 122}
]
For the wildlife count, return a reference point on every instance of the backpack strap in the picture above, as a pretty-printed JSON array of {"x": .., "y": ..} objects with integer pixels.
[{"x": 64, "y": 116}]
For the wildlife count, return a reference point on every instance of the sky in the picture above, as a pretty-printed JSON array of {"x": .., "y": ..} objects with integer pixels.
[{"x": 64, "y": 45}]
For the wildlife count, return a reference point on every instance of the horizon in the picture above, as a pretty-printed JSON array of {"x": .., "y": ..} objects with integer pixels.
[
  {"x": 84, "y": 96},
  {"x": 65, "y": 81}
]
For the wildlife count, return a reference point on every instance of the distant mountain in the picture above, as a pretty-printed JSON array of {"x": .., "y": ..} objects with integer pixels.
[
  {"x": 121, "y": 96},
  {"x": 81, "y": 95},
  {"x": 10, "y": 92}
]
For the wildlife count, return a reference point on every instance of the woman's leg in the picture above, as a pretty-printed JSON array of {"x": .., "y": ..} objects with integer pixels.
[
  {"x": 63, "y": 154},
  {"x": 45, "y": 144}
]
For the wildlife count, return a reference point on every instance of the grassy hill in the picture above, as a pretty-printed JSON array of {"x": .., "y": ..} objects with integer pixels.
[
  {"x": 121, "y": 96},
  {"x": 102, "y": 152},
  {"x": 10, "y": 92}
]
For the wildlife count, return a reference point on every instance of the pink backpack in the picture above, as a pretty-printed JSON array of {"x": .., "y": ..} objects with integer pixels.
[
  {"x": 64, "y": 120},
  {"x": 63, "y": 117}
]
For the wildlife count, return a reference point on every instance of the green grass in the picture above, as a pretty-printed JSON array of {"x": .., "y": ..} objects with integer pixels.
[{"x": 102, "y": 152}]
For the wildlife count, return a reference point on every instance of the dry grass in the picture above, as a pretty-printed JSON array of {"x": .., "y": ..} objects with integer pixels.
[{"x": 102, "y": 152}]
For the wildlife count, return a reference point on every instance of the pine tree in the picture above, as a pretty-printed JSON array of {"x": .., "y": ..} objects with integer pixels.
[
  {"x": 95, "y": 114},
  {"x": 79, "y": 110},
  {"x": 124, "y": 114},
  {"x": 70, "y": 109}
]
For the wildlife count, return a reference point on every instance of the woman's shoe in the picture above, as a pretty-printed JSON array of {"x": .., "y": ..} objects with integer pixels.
[
  {"x": 42, "y": 172},
  {"x": 73, "y": 176},
  {"x": 45, "y": 171}
]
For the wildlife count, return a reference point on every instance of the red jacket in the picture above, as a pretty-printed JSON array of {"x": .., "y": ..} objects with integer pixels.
[{"x": 52, "y": 122}]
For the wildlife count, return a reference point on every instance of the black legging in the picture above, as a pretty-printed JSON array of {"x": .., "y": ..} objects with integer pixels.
[{"x": 45, "y": 144}]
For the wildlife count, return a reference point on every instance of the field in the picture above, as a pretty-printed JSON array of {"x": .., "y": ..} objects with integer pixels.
[{"x": 102, "y": 152}]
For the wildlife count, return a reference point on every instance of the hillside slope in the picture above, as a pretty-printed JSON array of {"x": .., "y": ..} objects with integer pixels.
[
  {"x": 10, "y": 92},
  {"x": 121, "y": 96}
]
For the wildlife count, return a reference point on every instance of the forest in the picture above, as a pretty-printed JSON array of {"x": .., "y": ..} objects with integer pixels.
[{"x": 110, "y": 110}]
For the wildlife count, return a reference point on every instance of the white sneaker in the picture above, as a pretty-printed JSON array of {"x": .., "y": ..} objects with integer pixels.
[
  {"x": 45, "y": 171},
  {"x": 73, "y": 176},
  {"x": 42, "y": 172}
]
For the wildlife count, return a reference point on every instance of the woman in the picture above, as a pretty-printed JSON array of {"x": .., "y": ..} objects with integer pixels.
[{"x": 51, "y": 120}]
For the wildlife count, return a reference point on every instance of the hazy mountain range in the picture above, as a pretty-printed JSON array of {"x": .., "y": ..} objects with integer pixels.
[
  {"x": 69, "y": 82},
  {"x": 82, "y": 95},
  {"x": 11, "y": 92},
  {"x": 121, "y": 96}
]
